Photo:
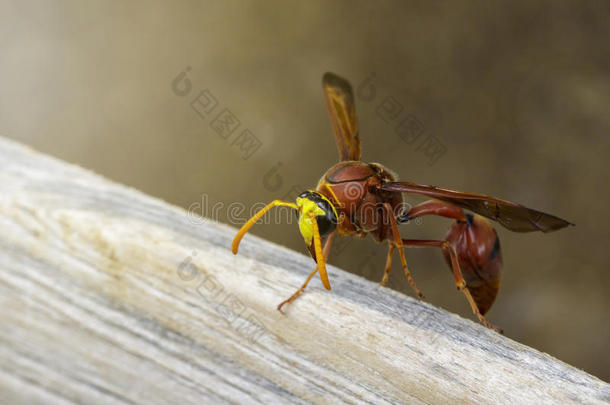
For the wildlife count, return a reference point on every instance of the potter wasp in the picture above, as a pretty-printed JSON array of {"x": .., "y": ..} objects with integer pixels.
[{"x": 356, "y": 198}]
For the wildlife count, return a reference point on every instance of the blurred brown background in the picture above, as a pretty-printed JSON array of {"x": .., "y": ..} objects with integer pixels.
[{"x": 518, "y": 94}]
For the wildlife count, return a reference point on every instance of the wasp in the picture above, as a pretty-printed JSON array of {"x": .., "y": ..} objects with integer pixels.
[{"x": 357, "y": 198}]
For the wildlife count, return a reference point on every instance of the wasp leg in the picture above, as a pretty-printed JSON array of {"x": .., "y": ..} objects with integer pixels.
[
  {"x": 434, "y": 207},
  {"x": 398, "y": 243},
  {"x": 459, "y": 280},
  {"x": 246, "y": 227},
  {"x": 388, "y": 265},
  {"x": 298, "y": 292}
]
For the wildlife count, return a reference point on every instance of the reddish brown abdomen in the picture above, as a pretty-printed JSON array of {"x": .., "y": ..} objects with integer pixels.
[{"x": 480, "y": 258}]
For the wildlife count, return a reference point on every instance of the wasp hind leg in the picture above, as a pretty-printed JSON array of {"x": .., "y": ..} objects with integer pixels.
[{"x": 457, "y": 273}]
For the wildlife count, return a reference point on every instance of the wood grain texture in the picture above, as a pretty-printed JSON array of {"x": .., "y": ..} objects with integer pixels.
[{"x": 111, "y": 296}]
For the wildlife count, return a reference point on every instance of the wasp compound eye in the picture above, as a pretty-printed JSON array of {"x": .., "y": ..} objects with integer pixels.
[{"x": 327, "y": 222}]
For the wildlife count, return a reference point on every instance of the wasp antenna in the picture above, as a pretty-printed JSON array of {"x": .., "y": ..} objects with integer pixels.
[{"x": 246, "y": 227}]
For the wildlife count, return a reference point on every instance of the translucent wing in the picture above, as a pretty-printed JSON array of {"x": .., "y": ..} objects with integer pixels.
[
  {"x": 512, "y": 216},
  {"x": 340, "y": 103}
]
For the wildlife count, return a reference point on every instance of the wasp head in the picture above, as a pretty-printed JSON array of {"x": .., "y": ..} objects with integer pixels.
[{"x": 313, "y": 205}]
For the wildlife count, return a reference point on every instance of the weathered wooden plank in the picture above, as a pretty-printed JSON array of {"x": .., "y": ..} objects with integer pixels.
[{"x": 111, "y": 296}]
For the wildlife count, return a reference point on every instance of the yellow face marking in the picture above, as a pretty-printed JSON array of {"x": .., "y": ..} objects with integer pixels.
[{"x": 308, "y": 211}]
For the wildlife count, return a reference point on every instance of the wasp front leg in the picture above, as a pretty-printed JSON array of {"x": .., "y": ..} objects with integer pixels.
[{"x": 298, "y": 292}]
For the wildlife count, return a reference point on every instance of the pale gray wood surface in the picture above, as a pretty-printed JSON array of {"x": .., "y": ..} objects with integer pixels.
[{"x": 110, "y": 296}]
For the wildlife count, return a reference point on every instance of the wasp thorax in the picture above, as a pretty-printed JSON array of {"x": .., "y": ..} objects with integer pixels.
[{"x": 313, "y": 205}]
